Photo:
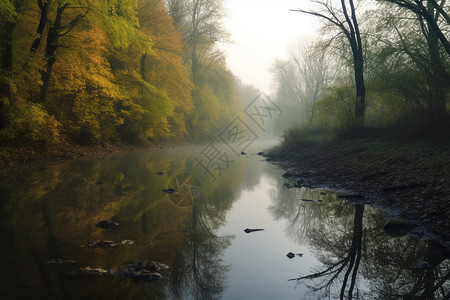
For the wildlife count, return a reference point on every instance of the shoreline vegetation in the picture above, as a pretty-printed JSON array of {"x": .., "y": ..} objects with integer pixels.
[
  {"x": 24, "y": 155},
  {"x": 410, "y": 179}
]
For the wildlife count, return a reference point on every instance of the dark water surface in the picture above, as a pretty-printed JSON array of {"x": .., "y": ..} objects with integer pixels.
[{"x": 49, "y": 212}]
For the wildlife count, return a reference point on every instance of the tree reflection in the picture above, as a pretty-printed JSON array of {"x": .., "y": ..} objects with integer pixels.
[
  {"x": 347, "y": 265},
  {"x": 407, "y": 268},
  {"x": 358, "y": 259},
  {"x": 198, "y": 270}
]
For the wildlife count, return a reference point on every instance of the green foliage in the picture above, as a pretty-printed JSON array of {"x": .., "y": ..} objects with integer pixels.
[
  {"x": 118, "y": 19},
  {"x": 145, "y": 109},
  {"x": 215, "y": 100},
  {"x": 336, "y": 108},
  {"x": 29, "y": 122},
  {"x": 8, "y": 11}
]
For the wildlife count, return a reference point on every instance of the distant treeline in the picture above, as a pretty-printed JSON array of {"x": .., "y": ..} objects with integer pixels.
[{"x": 109, "y": 71}]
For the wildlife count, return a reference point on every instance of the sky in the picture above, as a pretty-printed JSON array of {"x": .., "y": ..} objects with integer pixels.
[{"x": 261, "y": 31}]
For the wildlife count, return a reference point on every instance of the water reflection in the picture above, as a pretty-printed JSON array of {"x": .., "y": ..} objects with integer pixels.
[
  {"x": 49, "y": 211},
  {"x": 359, "y": 261}
]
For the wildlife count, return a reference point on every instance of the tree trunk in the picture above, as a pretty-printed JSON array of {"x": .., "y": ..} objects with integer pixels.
[
  {"x": 439, "y": 77},
  {"x": 354, "y": 37},
  {"x": 356, "y": 249},
  {"x": 142, "y": 66},
  {"x": 194, "y": 67},
  {"x": 50, "y": 53},
  {"x": 7, "y": 62},
  {"x": 313, "y": 107},
  {"x": 360, "y": 103},
  {"x": 43, "y": 5}
]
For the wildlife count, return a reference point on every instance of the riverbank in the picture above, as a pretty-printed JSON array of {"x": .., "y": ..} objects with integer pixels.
[
  {"x": 18, "y": 156},
  {"x": 411, "y": 178}
]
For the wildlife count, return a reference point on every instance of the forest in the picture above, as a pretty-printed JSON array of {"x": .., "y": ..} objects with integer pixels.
[
  {"x": 377, "y": 64},
  {"x": 140, "y": 72},
  {"x": 113, "y": 72}
]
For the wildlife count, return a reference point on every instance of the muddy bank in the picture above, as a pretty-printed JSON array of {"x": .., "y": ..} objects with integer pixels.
[
  {"x": 413, "y": 179},
  {"x": 12, "y": 157}
]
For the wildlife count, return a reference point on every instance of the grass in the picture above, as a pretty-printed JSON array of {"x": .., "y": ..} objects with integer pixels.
[{"x": 386, "y": 141}]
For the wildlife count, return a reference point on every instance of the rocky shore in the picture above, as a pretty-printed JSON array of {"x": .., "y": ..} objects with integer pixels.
[{"x": 412, "y": 179}]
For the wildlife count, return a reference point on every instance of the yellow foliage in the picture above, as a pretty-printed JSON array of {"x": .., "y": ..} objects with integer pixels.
[
  {"x": 83, "y": 92},
  {"x": 165, "y": 69},
  {"x": 29, "y": 121}
]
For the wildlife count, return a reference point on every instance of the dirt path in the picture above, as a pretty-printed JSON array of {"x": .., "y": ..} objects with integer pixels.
[{"x": 413, "y": 178}]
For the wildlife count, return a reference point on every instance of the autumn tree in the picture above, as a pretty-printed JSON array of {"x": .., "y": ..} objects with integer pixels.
[
  {"x": 44, "y": 8},
  {"x": 82, "y": 90},
  {"x": 345, "y": 20},
  {"x": 8, "y": 14},
  {"x": 164, "y": 68},
  {"x": 89, "y": 71},
  {"x": 117, "y": 19}
]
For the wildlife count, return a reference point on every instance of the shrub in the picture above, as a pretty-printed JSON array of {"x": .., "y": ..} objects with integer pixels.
[{"x": 29, "y": 122}]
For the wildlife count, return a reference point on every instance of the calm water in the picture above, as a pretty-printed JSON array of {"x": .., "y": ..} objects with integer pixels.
[{"x": 50, "y": 211}]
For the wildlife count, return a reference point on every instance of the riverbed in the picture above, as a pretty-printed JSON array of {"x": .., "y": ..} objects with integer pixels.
[{"x": 187, "y": 208}]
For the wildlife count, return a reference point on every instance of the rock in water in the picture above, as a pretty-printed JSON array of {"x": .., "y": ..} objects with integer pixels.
[
  {"x": 247, "y": 230},
  {"x": 105, "y": 224},
  {"x": 109, "y": 243},
  {"x": 94, "y": 271},
  {"x": 397, "y": 227},
  {"x": 292, "y": 255},
  {"x": 60, "y": 261},
  {"x": 141, "y": 269}
]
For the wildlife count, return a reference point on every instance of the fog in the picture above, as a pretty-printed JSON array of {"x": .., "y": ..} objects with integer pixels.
[{"x": 262, "y": 31}]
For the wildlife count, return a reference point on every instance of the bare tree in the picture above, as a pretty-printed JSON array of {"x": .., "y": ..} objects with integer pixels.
[
  {"x": 429, "y": 11},
  {"x": 344, "y": 18},
  {"x": 313, "y": 71},
  {"x": 301, "y": 78}
]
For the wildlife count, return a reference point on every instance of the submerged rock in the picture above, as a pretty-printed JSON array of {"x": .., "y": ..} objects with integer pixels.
[
  {"x": 351, "y": 197},
  {"x": 292, "y": 255},
  {"x": 60, "y": 261},
  {"x": 109, "y": 243},
  {"x": 185, "y": 229},
  {"x": 287, "y": 185},
  {"x": 397, "y": 227},
  {"x": 289, "y": 175},
  {"x": 141, "y": 269},
  {"x": 247, "y": 230},
  {"x": 106, "y": 224},
  {"x": 94, "y": 271}
]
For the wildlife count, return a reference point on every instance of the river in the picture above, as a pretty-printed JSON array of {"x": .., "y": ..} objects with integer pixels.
[{"x": 49, "y": 214}]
